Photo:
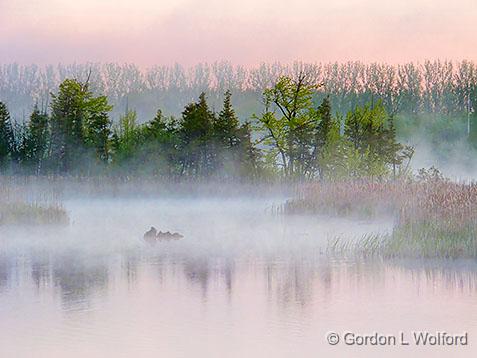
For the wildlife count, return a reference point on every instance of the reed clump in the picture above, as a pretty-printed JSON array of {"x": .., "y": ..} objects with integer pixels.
[
  {"x": 20, "y": 204},
  {"x": 433, "y": 217}
]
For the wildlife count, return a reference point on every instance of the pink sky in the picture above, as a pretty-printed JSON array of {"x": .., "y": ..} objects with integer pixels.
[{"x": 243, "y": 32}]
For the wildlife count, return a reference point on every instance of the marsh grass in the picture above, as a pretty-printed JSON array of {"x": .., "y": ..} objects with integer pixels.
[
  {"x": 432, "y": 217},
  {"x": 23, "y": 204}
]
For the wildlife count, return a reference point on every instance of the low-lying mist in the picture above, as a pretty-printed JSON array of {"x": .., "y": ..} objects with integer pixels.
[
  {"x": 246, "y": 272},
  {"x": 232, "y": 226}
]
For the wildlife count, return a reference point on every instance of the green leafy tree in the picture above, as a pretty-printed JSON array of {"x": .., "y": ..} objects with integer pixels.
[
  {"x": 68, "y": 114},
  {"x": 97, "y": 126},
  {"x": 290, "y": 122},
  {"x": 371, "y": 133},
  {"x": 79, "y": 121},
  {"x": 127, "y": 136}
]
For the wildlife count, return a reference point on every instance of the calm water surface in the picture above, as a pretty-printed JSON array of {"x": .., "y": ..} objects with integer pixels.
[{"x": 243, "y": 283}]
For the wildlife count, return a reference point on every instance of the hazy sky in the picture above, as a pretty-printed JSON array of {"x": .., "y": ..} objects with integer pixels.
[{"x": 243, "y": 32}]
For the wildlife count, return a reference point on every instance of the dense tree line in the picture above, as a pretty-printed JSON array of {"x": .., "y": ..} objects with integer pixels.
[
  {"x": 304, "y": 140},
  {"x": 293, "y": 137},
  {"x": 431, "y": 87}
]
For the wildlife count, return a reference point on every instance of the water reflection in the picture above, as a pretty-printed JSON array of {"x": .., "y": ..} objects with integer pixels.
[
  {"x": 129, "y": 267},
  {"x": 79, "y": 278},
  {"x": 40, "y": 271},
  {"x": 272, "y": 300},
  {"x": 4, "y": 270},
  {"x": 456, "y": 276},
  {"x": 292, "y": 281},
  {"x": 196, "y": 271}
]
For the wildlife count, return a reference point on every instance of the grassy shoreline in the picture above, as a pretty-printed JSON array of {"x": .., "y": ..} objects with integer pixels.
[
  {"x": 22, "y": 204},
  {"x": 432, "y": 217}
]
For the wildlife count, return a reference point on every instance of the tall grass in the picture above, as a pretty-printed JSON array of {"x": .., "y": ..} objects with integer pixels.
[
  {"x": 433, "y": 217},
  {"x": 22, "y": 203}
]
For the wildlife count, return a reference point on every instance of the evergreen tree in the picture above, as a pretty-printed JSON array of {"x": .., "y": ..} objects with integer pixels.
[
  {"x": 226, "y": 136},
  {"x": 7, "y": 140},
  {"x": 325, "y": 124},
  {"x": 195, "y": 133},
  {"x": 18, "y": 150},
  {"x": 158, "y": 126},
  {"x": 162, "y": 130},
  {"x": 36, "y": 140},
  {"x": 161, "y": 143},
  {"x": 226, "y": 124},
  {"x": 473, "y": 131},
  {"x": 248, "y": 154},
  {"x": 323, "y": 134},
  {"x": 392, "y": 149}
]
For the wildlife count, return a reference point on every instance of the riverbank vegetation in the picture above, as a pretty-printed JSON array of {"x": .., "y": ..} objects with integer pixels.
[
  {"x": 22, "y": 204},
  {"x": 293, "y": 138},
  {"x": 433, "y": 217}
]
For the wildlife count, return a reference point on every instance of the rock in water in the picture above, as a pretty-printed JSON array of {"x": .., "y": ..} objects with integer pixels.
[
  {"x": 151, "y": 235},
  {"x": 177, "y": 236},
  {"x": 168, "y": 236}
]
